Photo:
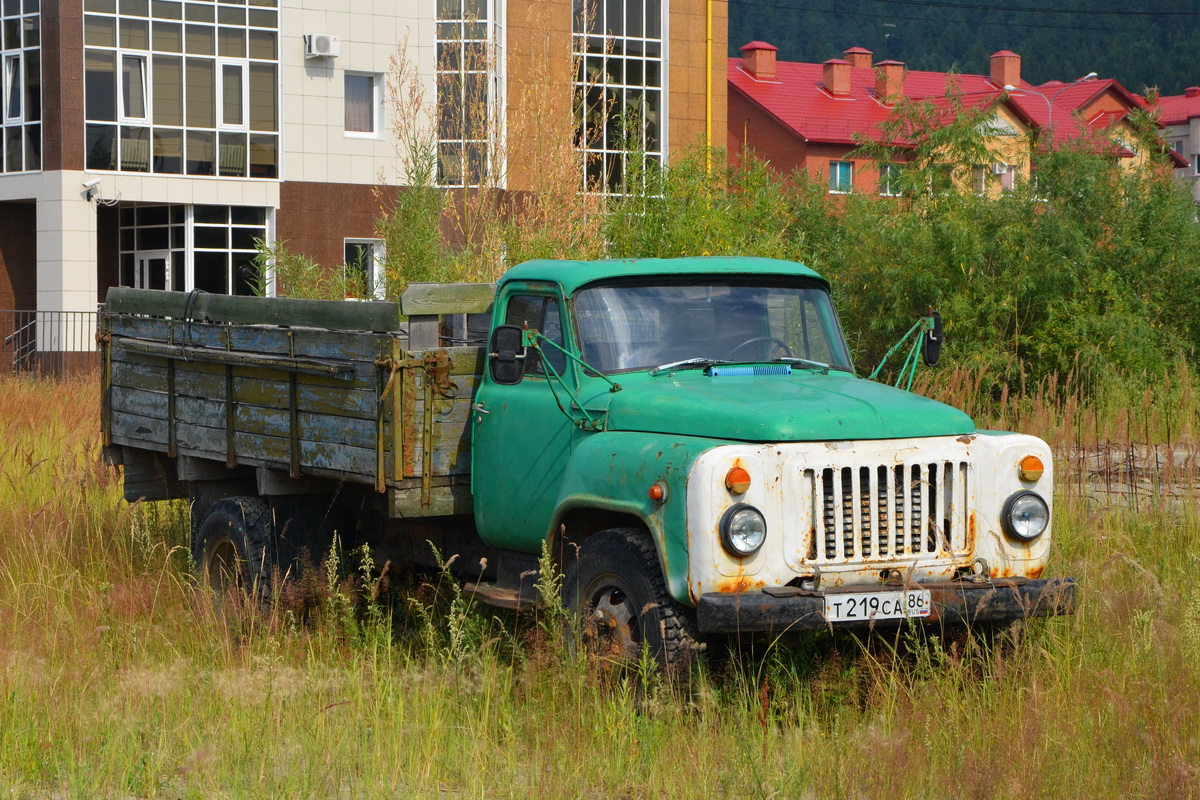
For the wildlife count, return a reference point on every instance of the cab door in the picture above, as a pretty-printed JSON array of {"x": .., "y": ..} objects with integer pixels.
[{"x": 521, "y": 440}]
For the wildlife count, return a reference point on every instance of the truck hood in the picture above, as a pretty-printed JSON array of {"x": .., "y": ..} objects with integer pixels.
[{"x": 804, "y": 406}]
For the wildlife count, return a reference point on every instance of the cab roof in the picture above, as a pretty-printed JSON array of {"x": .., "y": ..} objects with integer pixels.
[{"x": 573, "y": 275}]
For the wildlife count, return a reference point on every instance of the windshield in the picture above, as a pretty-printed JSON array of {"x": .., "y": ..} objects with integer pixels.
[{"x": 643, "y": 325}]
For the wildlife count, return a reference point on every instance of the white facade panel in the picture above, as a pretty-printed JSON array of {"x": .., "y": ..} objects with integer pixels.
[{"x": 316, "y": 146}]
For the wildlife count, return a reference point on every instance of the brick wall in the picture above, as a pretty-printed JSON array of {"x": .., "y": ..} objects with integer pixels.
[
  {"x": 314, "y": 218},
  {"x": 18, "y": 256},
  {"x": 688, "y": 67},
  {"x": 62, "y": 85},
  {"x": 765, "y": 137}
]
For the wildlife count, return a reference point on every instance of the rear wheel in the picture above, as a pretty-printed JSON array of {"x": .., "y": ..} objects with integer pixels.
[
  {"x": 233, "y": 547},
  {"x": 615, "y": 588}
]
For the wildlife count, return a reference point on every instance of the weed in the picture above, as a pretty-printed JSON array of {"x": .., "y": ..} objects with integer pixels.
[{"x": 118, "y": 679}]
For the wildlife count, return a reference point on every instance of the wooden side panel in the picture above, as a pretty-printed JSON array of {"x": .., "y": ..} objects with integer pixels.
[{"x": 379, "y": 410}]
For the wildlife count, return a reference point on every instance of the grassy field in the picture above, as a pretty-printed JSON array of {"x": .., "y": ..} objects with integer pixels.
[{"x": 119, "y": 679}]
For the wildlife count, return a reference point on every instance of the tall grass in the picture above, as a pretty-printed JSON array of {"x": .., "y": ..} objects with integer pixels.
[{"x": 118, "y": 679}]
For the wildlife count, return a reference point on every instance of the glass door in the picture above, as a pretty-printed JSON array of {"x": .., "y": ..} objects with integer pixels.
[{"x": 152, "y": 270}]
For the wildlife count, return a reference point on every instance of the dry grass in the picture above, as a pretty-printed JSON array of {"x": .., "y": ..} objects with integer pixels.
[{"x": 118, "y": 680}]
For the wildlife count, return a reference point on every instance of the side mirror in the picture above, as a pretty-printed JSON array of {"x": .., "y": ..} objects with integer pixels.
[
  {"x": 931, "y": 349},
  {"x": 506, "y": 355}
]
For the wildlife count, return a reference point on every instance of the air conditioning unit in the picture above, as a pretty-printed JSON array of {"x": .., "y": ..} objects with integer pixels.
[{"x": 321, "y": 45}]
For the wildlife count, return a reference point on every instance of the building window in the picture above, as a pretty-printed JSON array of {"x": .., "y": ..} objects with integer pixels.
[
  {"x": 363, "y": 104},
  {"x": 841, "y": 176},
  {"x": 979, "y": 179},
  {"x": 470, "y": 85},
  {"x": 234, "y": 100},
  {"x": 364, "y": 269},
  {"x": 182, "y": 88},
  {"x": 889, "y": 180},
  {"x": 133, "y": 88},
  {"x": 12, "y": 88},
  {"x": 1196, "y": 163},
  {"x": 1006, "y": 173},
  {"x": 21, "y": 90},
  {"x": 619, "y": 88},
  {"x": 156, "y": 239},
  {"x": 942, "y": 179}
]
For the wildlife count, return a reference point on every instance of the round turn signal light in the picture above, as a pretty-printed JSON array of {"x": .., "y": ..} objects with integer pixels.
[
  {"x": 1031, "y": 468},
  {"x": 737, "y": 480}
]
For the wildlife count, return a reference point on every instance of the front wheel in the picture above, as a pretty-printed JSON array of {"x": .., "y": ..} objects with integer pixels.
[
  {"x": 615, "y": 588},
  {"x": 233, "y": 546}
]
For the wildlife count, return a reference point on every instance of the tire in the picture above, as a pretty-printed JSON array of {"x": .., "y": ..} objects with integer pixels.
[
  {"x": 233, "y": 547},
  {"x": 616, "y": 591}
]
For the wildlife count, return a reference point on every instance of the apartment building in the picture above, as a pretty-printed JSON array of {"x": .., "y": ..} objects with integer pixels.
[
  {"x": 150, "y": 143},
  {"x": 1179, "y": 116}
]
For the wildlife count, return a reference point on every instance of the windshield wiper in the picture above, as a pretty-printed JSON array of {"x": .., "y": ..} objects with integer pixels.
[
  {"x": 805, "y": 362},
  {"x": 688, "y": 363}
]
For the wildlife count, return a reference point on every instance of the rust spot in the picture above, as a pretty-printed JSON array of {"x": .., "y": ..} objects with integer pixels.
[
  {"x": 1033, "y": 573},
  {"x": 660, "y": 453},
  {"x": 971, "y": 532},
  {"x": 734, "y": 585},
  {"x": 966, "y": 438}
]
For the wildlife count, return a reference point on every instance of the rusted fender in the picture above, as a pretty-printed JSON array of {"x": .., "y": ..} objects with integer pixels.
[{"x": 954, "y": 603}]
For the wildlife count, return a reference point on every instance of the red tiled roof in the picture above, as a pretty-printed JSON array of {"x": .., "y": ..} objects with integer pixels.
[
  {"x": 798, "y": 100},
  {"x": 757, "y": 45},
  {"x": 1177, "y": 109}
]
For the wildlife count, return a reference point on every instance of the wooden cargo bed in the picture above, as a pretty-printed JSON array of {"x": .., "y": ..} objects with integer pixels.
[{"x": 325, "y": 395}]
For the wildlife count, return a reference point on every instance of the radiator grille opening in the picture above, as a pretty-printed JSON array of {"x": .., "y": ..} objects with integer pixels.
[{"x": 883, "y": 512}]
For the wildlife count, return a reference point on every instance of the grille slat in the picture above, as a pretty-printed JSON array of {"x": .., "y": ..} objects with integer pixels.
[{"x": 888, "y": 512}]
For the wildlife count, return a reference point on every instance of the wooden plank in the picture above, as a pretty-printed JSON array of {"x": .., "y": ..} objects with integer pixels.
[
  {"x": 352, "y": 463},
  {"x": 361, "y": 372},
  {"x": 242, "y": 358},
  {"x": 315, "y": 399},
  {"x": 330, "y": 314},
  {"x": 424, "y": 332},
  {"x": 138, "y": 376},
  {"x": 443, "y": 501},
  {"x": 324, "y": 458},
  {"x": 315, "y": 471},
  {"x": 447, "y": 298},
  {"x": 247, "y": 419},
  {"x": 298, "y": 341}
]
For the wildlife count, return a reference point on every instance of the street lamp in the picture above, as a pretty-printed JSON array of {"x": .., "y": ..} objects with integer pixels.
[{"x": 1008, "y": 87}]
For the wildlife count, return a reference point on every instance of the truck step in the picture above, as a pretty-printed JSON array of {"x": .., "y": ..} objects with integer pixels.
[{"x": 504, "y": 597}]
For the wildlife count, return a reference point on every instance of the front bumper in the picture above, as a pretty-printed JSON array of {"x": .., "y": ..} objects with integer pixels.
[{"x": 958, "y": 603}]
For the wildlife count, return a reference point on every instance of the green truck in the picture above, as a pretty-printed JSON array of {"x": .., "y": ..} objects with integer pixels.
[{"x": 687, "y": 439}]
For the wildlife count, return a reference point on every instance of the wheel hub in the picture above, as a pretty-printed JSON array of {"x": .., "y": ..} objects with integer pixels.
[{"x": 615, "y": 624}]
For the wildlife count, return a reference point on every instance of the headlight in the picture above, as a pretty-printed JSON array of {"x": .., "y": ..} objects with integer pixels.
[
  {"x": 1026, "y": 516},
  {"x": 743, "y": 530}
]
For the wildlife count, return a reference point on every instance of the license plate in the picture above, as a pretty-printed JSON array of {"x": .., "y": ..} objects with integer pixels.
[{"x": 877, "y": 605}]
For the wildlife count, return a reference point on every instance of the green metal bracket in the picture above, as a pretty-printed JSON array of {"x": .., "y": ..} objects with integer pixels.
[
  {"x": 908, "y": 371},
  {"x": 535, "y": 339}
]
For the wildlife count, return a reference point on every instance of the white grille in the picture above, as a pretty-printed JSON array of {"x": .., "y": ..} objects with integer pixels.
[{"x": 886, "y": 512}]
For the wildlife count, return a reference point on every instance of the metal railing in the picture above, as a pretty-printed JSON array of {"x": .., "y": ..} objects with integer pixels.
[{"x": 48, "y": 342}]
